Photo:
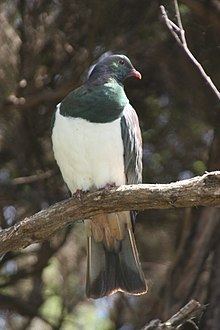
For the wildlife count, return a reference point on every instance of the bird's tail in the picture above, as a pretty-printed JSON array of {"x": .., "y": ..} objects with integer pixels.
[{"x": 113, "y": 262}]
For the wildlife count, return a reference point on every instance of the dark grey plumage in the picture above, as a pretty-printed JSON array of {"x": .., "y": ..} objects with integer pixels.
[{"x": 131, "y": 136}]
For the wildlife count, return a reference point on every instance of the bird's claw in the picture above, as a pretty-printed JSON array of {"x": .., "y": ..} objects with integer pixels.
[
  {"x": 79, "y": 194},
  {"x": 109, "y": 186}
]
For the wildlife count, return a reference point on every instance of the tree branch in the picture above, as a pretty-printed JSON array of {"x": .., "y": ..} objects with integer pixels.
[
  {"x": 178, "y": 33},
  {"x": 33, "y": 178},
  {"x": 198, "y": 191},
  {"x": 185, "y": 314},
  {"x": 30, "y": 101}
]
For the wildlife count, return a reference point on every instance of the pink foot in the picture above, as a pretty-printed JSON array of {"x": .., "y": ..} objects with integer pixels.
[
  {"x": 79, "y": 194},
  {"x": 109, "y": 186}
]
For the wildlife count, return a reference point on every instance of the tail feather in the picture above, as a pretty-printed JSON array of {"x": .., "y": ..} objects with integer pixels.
[
  {"x": 101, "y": 270},
  {"x": 132, "y": 278},
  {"x": 114, "y": 269}
]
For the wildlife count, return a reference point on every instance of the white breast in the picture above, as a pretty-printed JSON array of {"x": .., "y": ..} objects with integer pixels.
[{"x": 89, "y": 155}]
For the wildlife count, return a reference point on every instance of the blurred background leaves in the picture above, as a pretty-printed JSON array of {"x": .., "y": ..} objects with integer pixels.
[{"x": 47, "y": 47}]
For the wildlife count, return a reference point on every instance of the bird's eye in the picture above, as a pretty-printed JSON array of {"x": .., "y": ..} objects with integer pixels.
[{"x": 122, "y": 62}]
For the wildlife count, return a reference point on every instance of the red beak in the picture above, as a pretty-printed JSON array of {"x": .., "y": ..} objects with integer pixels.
[{"x": 135, "y": 73}]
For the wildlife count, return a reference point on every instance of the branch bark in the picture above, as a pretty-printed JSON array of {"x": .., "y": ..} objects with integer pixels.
[{"x": 198, "y": 191}]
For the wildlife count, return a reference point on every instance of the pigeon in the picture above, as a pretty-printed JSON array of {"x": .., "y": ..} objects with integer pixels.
[{"x": 97, "y": 144}]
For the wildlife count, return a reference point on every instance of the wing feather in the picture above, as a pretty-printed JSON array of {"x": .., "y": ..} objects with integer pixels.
[{"x": 131, "y": 136}]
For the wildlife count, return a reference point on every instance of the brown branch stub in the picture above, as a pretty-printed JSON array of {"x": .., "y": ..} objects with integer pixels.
[
  {"x": 33, "y": 178},
  {"x": 31, "y": 101},
  {"x": 185, "y": 314},
  {"x": 198, "y": 191},
  {"x": 178, "y": 33}
]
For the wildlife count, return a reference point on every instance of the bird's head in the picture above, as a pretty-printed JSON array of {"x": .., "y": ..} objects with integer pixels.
[{"x": 118, "y": 67}]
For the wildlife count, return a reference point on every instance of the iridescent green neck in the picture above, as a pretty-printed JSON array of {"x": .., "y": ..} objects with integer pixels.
[{"x": 96, "y": 102}]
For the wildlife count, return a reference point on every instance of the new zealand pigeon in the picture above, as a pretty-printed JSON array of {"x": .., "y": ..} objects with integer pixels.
[{"x": 97, "y": 143}]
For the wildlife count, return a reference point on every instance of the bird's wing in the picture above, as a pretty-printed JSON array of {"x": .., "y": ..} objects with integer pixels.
[{"x": 131, "y": 136}]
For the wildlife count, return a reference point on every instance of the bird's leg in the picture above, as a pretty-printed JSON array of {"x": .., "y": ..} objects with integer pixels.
[
  {"x": 109, "y": 186},
  {"x": 79, "y": 194}
]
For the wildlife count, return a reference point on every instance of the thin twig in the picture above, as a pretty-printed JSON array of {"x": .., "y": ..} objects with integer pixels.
[
  {"x": 174, "y": 26},
  {"x": 179, "y": 21},
  {"x": 181, "y": 40},
  {"x": 170, "y": 25}
]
